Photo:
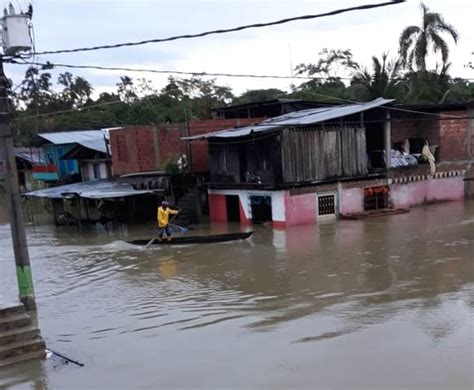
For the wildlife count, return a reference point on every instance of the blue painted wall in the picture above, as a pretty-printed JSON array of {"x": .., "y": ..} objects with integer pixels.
[{"x": 53, "y": 154}]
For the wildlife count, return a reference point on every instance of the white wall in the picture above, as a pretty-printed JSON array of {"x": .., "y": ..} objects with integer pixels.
[{"x": 278, "y": 201}]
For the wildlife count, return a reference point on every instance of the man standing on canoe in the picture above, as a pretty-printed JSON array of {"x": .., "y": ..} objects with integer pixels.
[{"x": 163, "y": 216}]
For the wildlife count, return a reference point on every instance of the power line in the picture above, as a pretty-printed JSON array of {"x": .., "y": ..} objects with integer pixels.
[
  {"x": 48, "y": 64},
  {"x": 157, "y": 71},
  {"x": 225, "y": 31},
  {"x": 80, "y": 110},
  {"x": 387, "y": 107}
]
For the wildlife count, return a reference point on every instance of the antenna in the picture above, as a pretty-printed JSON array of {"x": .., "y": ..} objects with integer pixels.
[{"x": 291, "y": 66}]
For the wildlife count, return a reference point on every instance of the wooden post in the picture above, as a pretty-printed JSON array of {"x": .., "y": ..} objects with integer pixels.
[
  {"x": 388, "y": 139},
  {"x": 189, "y": 156}
]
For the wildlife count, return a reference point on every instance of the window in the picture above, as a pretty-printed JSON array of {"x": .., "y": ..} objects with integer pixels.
[
  {"x": 375, "y": 198},
  {"x": 326, "y": 204}
]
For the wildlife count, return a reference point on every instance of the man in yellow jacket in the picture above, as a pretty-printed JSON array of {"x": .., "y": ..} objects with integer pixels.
[{"x": 163, "y": 216}]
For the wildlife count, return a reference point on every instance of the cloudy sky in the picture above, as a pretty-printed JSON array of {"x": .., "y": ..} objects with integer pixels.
[{"x": 63, "y": 24}]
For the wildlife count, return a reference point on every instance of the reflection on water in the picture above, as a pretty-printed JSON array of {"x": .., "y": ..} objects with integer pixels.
[{"x": 375, "y": 303}]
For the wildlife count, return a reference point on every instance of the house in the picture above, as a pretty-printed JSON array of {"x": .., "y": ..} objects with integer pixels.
[
  {"x": 318, "y": 163},
  {"x": 26, "y": 159},
  {"x": 63, "y": 152},
  {"x": 94, "y": 160}
]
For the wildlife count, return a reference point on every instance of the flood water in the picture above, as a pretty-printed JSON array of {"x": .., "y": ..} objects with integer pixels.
[{"x": 381, "y": 303}]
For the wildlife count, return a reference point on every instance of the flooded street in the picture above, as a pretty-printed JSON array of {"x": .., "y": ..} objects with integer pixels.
[{"x": 380, "y": 303}]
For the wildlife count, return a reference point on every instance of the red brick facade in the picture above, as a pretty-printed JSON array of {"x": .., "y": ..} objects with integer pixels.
[
  {"x": 146, "y": 148},
  {"x": 454, "y": 137},
  {"x": 450, "y": 135},
  {"x": 426, "y": 128}
]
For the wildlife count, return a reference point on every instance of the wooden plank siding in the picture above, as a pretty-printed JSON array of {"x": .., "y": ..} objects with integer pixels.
[
  {"x": 224, "y": 162},
  {"x": 231, "y": 160},
  {"x": 319, "y": 153}
]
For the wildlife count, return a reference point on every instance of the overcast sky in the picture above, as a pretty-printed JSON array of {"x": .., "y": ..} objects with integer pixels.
[{"x": 76, "y": 23}]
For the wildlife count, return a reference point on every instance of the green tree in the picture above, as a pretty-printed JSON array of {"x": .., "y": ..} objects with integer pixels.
[
  {"x": 36, "y": 90},
  {"x": 203, "y": 95},
  {"x": 384, "y": 81},
  {"x": 326, "y": 83},
  {"x": 259, "y": 95},
  {"x": 428, "y": 86},
  {"x": 415, "y": 41},
  {"x": 76, "y": 90},
  {"x": 329, "y": 65},
  {"x": 127, "y": 90}
]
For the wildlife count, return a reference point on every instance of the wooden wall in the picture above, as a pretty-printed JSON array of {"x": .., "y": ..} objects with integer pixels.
[
  {"x": 224, "y": 163},
  {"x": 231, "y": 159},
  {"x": 323, "y": 152}
]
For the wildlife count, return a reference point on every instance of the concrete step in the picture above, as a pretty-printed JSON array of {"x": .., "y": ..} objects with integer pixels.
[
  {"x": 15, "y": 322},
  {"x": 23, "y": 358},
  {"x": 12, "y": 310},
  {"x": 17, "y": 335},
  {"x": 21, "y": 348}
]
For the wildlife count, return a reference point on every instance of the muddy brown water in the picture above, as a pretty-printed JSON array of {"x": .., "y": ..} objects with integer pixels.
[{"x": 380, "y": 303}]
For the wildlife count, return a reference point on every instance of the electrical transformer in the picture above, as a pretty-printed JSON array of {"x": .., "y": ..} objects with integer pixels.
[{"x": 16, "y": 36}]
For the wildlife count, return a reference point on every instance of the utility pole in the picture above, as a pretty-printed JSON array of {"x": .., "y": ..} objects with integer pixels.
[
  {"x": 15, "y": 213},
  {"x": 16, "y": 39}
]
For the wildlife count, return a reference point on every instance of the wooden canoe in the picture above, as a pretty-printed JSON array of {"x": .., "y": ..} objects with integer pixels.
[{"x": 184, "y": 240}]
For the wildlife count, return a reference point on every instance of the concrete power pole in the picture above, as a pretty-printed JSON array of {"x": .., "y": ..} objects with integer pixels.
[
  {"x": 15, "y": 213},
  {"x": 16, "y": 39}
]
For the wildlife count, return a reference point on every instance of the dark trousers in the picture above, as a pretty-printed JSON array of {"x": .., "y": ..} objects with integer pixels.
[{"x": 166, "y": 230}]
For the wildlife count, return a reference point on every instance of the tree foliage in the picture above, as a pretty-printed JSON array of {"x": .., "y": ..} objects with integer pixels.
[
  {"x": 42, "y": 104},
  {"x": 415, "y": 41}
]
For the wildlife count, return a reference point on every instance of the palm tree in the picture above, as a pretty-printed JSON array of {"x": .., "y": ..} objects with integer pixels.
[
  {"x": 415, "y": 41},
  {"x": 384, "y": 80}
]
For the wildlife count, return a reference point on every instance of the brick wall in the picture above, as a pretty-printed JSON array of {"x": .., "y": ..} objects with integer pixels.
[
  {"x": 419, "y": 127},
  {"x": 453, "y": 134},
  {"x": 450, "y": 135},
  {"x": 199, "y": 149},
  {"x": 146, "y": 148}
]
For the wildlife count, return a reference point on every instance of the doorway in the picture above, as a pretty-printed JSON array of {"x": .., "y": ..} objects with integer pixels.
[
  {"x": 261, "y": 208},
  {"x": 233, "y": 208}
]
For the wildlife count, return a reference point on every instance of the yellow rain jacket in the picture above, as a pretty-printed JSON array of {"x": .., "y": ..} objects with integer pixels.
[{"x": 163, "y": 216}]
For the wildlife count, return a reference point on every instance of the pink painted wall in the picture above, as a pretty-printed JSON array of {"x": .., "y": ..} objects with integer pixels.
[
  {"x": 351, "y": 200},
  {"x": 425, "y": 191},
  {"x": 300, "y": 209},
  {"x": 217, "y": 208}
]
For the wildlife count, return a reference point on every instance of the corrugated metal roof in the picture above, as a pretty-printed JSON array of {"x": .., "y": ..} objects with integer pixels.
[
  {"x": 296, "y": 119},
  {"x": 32, "y": 155},
  {"x": 96, "y": 189},
  {"x": 92, "y": 139}
]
